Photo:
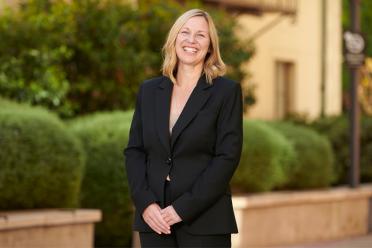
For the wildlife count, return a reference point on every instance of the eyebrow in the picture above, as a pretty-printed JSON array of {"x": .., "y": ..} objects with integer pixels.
[{"x": 196, "y": 31}]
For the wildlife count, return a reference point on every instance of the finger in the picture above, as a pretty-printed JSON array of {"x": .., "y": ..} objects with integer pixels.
[
  {"x": 154, "y": 222},
  {"x": 175, "y": 216},
  {"x": 160, "y": 221},
  {"x": 154, "y": 226},
  {"x": 165, "y": 214},
  {"x": 165, "y": 210},
  {"x": 158, "y": 224},
  {"x": 172, "y": 222},
  {"x": 167, "y": 219},
  {"x": 172, "y": 218},
  {"x": 160, "y": 215}
]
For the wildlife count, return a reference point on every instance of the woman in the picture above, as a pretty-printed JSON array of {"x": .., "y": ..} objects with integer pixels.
[{"x": 185, "y": 142}]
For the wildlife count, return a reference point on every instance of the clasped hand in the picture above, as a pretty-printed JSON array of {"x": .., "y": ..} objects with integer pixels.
[{"x": 159, "y": 219}]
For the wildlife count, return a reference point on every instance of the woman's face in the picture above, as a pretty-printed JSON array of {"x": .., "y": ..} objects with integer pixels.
[{"x": 192, "y": 42}]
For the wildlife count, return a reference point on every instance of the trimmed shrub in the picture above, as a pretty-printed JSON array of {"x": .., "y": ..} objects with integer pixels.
[
  {"x": 337, "y": 130},
  {"x": 265, "y": 158},
  {"x": 104, "y": 135},
  {"x": 366, "y": 149},
  {"x": 7, "y": 104},
  {"x": 314, "y": 157},
  {"x": 41, "y": 162}
]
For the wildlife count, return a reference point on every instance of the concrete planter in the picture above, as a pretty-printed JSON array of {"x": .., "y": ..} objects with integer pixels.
[
  {"x": 286, "y": 218},
  {"x": 48, "y": 228}
]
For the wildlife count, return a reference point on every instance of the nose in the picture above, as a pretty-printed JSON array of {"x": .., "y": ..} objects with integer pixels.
[{"x": 191, "y": 38}]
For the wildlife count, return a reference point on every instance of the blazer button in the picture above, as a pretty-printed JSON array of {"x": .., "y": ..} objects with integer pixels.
[{"x": 168, "y": 161}]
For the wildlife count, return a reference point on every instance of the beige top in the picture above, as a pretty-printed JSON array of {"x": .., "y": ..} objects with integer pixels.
[
  {"x": 172, "y": 120},
  {"x": 179, "y": 99}
]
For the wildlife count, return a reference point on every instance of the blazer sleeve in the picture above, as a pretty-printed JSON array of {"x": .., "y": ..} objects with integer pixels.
[
  {"x": 135, "y": 162},
  {"x": 214, "y": 181}
]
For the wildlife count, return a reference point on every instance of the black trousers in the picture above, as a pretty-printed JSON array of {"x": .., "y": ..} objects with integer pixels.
[{"x": 180, "y": 238}]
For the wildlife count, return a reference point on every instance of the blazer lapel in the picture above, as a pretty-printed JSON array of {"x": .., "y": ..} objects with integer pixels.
[
  {"x": 196, "y": 100},
  {"x": 162, "y": 108}
]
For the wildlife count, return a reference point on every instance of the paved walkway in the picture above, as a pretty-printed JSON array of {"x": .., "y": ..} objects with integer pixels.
[{"x": 356, "y": 242}]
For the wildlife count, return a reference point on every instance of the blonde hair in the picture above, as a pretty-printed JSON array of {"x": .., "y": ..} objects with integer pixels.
[{"x": 213, "y": 64}]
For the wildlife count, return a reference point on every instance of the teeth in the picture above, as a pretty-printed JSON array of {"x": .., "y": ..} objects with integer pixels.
[{"x": 190, "y": 49}]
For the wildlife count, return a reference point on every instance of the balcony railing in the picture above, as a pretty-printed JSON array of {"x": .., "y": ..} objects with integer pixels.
[{"x": 258, "y": 6}]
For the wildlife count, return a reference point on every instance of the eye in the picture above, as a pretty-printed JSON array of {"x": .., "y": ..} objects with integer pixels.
[{"x": 201, "y": 35}]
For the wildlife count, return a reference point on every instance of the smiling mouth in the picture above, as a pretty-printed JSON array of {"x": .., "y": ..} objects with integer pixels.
[{"x": 190, "y": 49}]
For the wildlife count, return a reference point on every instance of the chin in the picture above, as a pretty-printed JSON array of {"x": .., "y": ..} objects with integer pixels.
[
  {"x": 190, "y": 61},
  {"x": 193, "y": 63}
]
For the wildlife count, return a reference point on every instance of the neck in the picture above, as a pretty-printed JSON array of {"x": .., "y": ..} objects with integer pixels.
[{"x": 188, "y": 75}]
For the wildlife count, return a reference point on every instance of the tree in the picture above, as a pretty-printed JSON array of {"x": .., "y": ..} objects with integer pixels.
[{"x": 77, "y": 57}]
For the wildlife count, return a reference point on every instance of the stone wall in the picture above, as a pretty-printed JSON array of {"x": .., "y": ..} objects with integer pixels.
[
  {"x": 48, "y": 228},
  {"x": 284, "y": 218}
]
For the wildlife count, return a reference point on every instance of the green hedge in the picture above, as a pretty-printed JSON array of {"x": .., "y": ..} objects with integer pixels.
[
  {"x": 265, "y": 159},
  {"x": 41, "y": 162},
  {"x": 104, "y": 135},
  {"x": 366, "y": 149},
  {"x": 337, "y": 130},
  {"x": 313, "y": 166}
]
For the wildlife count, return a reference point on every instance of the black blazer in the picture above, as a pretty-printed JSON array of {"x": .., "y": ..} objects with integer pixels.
[{"x": 200, "y": 156}]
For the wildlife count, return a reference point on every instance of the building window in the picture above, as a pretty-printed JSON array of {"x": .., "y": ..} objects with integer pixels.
[{"x": 284, "y": 89}]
